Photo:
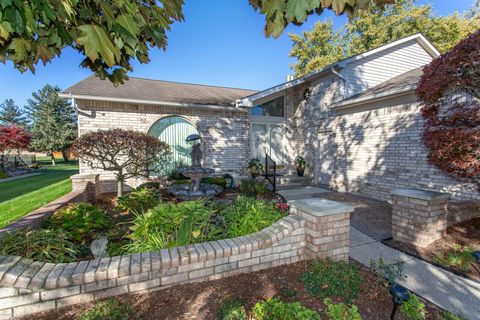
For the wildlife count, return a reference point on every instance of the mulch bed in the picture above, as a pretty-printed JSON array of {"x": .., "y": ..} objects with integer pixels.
[
  {"x": 202, "y": 300},
  {"x": 465, "y": 234}
]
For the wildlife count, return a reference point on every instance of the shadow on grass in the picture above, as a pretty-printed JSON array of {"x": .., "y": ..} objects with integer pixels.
[{"x": 53, "y": 174}]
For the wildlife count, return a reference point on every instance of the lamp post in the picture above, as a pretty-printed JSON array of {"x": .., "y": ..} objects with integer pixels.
[{"x": 399, "y": 295}]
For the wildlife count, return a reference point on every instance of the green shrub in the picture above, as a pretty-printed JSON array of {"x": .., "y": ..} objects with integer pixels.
[
  {"x": 274, "y": 309},
  {"x": 326, "y": 278},
  {"x": 247, "y": 188},
  {"x": 248, "y": 215},
  {"x": 140, "y": 199},
  {"x": 341, "y": 311},
  {"x": 413, "y": 308},
  {"x": 79, "y": 221},
  {"x": 447, "y": 315},
  {"x": 261, "y": 188},
  {"x": 232, "y": 309},
  {"x": 149, "y": 185},
  {"x": 109, "y": 309},
  {"x": 460, "y": 258},
  {"x": 219, "y": 181},
  {"x": 41, "y": 245},
  {"x": 170, "y": 225},
  {"x": 3, "y": 174}
]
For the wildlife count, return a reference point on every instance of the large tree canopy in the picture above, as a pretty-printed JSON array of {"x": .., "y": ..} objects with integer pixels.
[
  {"x": 11, "y": 114},
  {"x": 53, "y": 121},
  {"x": 375, "y": 27},
  {"x": 451, "y": 128},
  {"x": 108, "y": 33}
]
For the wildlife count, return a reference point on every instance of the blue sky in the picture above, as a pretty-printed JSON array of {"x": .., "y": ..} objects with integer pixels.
[{"x": 219, "y": 43}]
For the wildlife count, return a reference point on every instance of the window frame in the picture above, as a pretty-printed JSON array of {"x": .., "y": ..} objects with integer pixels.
[{"x": 270, "y": 119}]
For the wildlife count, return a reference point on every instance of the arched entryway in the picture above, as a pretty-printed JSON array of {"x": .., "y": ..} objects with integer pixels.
[{"x": 173, "y": 130}]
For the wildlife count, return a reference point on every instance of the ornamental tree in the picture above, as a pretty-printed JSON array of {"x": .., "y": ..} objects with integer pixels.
[
  {"x": 451, "y": 131},
  {"x": 11, "y": 114},
  {"x": 127, "y": 153},
  {"x": 13, "y": 139}
]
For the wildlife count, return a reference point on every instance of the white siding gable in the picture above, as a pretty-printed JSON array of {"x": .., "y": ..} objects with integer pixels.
[{"x": 374, "y": 69}]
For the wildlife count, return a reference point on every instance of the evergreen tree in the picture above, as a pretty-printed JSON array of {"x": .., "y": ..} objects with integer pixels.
[
  {"x": 53, "y": 122},
  {"x": 11, "y": 114}
]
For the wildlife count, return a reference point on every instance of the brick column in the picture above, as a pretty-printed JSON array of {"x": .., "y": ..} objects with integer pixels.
[
  {"x": 88, "y": 183},
  {"x": 419, "y": 217},
  {"x": 327, "y": 227}
]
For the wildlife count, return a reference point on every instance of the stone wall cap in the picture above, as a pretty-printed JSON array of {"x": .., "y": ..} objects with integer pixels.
[
  {"x": 320, "y": 207},
  {"x": 421, "y": 194},
  {"x": 84, "y": 176}
]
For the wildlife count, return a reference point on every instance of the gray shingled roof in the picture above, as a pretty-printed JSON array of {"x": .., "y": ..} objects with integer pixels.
[
  {"x": 158, "y": 90},
  {"x": 403, "y": 82}
]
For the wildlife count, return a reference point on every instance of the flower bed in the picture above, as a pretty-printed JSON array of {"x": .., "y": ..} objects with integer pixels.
[{"x": 30, "y": 286}]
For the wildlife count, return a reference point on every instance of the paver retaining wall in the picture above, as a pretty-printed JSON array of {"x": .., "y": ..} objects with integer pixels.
[{"x": 316, "y": 228}]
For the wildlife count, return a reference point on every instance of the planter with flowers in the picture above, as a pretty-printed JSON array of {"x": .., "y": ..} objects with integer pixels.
[
  {"x": 301, "y": 164},
  {"x": 255, "y": 167}
]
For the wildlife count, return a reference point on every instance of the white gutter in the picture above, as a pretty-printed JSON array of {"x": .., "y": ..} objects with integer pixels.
[
  {"x": 373, "y": 97},
  {"x": 149, "y": 102}
]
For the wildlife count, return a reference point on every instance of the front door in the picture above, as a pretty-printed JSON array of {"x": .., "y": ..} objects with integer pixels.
[{"x": 268, "y": 139}]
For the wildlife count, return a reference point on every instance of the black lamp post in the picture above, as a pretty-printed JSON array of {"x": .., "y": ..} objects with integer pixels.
[{"x": 399, "y": 295}]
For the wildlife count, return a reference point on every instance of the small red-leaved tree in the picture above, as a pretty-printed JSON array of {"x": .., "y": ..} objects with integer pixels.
[
  {"x": 13, "y": 139},
  {"x": 127, "y": 153},
  {"x": 452, "y": 129}
]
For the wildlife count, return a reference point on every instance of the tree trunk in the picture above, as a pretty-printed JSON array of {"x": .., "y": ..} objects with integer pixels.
[
  {"x": 53, "y": 159},
  {"x": 119, "y": 188},
  {"x": 65, "y": 155}
]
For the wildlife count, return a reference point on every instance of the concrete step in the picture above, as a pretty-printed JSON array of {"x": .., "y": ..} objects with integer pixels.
[{"x": 294, "y": 181}]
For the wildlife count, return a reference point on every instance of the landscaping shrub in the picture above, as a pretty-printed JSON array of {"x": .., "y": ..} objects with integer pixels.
[
  {"x": 3, "y": 174},
  {"x": 232, "y": 309},
  {"x": 140, "y": 199},
  {"x": 326, "y": 278},
  {"x": 341, "y": 311},
  {"x": 109, "y": 309},
  {"x": 149, "y": 185},
  {"x": 413, "y": 308},
  {"x": 219, "y": 181},
  {"x": 447, "y": 315},
  {"x": 251, "y": 188},
  {"x": 274, "y": 309},
  {"x": 78, "y": 221},
  {"x": 41, "y": 245},
  {"x": 248, "y": 215},
  {"x": 460, "y": 257},
  {"x": 170, "y": 225}
]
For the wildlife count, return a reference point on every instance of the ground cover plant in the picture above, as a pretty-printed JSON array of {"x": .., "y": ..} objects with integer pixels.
[
  {"x": 22, "y": 196},
  {"x": 204, "y": 300},
  {"x": 109, "y": 309},
  {"x": 329, "y": 278},
  {"x": 460, "y": 257}
]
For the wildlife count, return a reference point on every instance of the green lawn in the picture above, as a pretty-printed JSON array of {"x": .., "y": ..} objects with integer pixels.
[{"x": 19, "y": 197}]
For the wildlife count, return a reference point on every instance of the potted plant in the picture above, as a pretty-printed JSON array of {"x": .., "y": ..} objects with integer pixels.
[
  {"x": 255, "y": 167},
  {"x": 301, "y": 164}
]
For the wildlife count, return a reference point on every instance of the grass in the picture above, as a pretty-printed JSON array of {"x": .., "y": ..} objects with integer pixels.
[{"x": 22, "y": 196}]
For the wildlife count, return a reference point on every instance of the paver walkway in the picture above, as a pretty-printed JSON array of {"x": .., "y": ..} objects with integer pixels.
[{"x": 443, "y": 288}]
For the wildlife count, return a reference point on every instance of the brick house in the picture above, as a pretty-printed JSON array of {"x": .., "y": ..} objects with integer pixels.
[{"x": 357, "y": 121}]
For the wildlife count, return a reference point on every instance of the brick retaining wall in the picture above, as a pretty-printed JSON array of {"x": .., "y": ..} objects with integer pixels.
[{"x": 316, "y": 228}]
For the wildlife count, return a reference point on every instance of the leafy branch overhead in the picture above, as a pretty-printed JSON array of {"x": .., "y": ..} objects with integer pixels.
[
  {"x": 108, "y": 33},
  {"x": 280, "y": 13}
]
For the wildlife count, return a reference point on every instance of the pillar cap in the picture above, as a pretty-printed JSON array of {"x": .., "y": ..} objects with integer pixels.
[
  {"x": 85, "y": 176},
  {"x": 421, "y": 194},
  {"x": 320, "y": 207}
]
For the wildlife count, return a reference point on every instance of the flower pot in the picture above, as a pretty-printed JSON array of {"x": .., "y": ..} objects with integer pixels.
[
  {"x": 254, "y": 172},
  {"x": 300, "y": 172}
]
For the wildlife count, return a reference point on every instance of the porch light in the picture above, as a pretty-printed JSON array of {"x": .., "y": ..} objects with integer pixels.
[
  {"x": 193, "y": 137},
  {"x": 399, "y": 295}
]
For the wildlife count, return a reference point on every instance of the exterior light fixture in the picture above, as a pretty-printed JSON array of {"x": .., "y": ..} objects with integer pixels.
[{"x": 399, "y": 295}]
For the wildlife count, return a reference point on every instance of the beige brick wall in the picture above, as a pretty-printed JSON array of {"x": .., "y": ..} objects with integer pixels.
[
  {"x": 370, "y": 149},
  {"x": 224, "y": 133},
  {"x": 315, "y": 229}
]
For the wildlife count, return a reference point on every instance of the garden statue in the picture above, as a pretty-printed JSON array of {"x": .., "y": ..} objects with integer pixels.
[
  {"x": 99, "y": 248},
  {"x": 196, "y": 155},
  {"x": 196, "y": 189}
]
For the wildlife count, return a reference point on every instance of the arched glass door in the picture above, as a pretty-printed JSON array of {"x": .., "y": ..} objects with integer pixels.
[{"x": 173, "y": 131}]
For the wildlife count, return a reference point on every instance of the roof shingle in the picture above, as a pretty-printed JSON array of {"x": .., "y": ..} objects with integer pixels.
[{"x": 159, "y": 90}]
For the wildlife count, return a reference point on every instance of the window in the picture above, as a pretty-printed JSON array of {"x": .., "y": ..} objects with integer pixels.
[{"x": 272, "y": 108}]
